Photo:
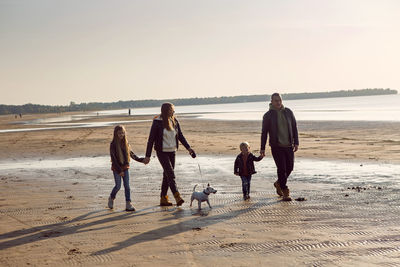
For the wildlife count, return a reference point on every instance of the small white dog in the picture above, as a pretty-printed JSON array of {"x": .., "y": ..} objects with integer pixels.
[{"x": 202, "y": 196}]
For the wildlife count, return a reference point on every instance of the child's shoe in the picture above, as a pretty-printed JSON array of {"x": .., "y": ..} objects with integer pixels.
[
  {"x": 278, "y": 188},
  {"x": 129, "y": 206},
  {"x": 164, "y": 201},
  {"x": 286, "y": 196},
  {"x": 110, "y": 202},
  {"x": 179, "y": 200}
]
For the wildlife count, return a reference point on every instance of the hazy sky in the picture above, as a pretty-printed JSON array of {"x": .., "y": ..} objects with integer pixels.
[{"x": 54, "y": 52}]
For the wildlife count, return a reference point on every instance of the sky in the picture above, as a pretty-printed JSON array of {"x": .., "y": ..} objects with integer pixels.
[{"x": 54, "y": 51}]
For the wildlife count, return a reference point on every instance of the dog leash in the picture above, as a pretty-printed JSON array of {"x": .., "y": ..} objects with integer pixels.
[{"x": 201, "y": 174}]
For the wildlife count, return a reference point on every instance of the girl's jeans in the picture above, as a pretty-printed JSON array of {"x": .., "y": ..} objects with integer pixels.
[
  {"x": 117, "y": 186},
  {"x": 246, "y": 184}
]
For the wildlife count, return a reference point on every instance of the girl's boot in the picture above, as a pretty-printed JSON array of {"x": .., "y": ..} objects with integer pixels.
[
  {"x": 164, "y": 201},
  {"x": 110, "y": 202},
  {"x": 179, "y": 200},
  {"x": 129, "y": 206}
]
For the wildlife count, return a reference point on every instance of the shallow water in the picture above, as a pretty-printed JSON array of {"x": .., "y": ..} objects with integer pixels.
[
  {"x": 220, "y": 168},
  {"x": 69, "y": 125}
]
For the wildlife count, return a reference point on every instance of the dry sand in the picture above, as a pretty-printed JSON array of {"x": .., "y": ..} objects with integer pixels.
[
  {"x": 58, "y": 217},
  {"x": 360, "y": 141}
]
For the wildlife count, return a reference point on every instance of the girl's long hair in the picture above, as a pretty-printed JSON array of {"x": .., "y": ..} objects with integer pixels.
[
  {"x": 121, "y": 153},
  {"x": 168, "y": 122}
]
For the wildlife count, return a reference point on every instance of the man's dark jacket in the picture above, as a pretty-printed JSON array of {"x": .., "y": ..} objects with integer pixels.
[
  {"x": 270, "y": 126},
  {"x": 156, "y": 136}
]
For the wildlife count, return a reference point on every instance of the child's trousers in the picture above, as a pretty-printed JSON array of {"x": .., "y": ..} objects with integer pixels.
[{"x": 246, "y": 185}]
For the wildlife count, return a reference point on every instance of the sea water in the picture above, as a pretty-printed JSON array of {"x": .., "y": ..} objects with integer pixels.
[{"x": 361, "y": 108}]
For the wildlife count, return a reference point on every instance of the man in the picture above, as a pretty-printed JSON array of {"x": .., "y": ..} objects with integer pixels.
[{"x": 280, "y": 123}]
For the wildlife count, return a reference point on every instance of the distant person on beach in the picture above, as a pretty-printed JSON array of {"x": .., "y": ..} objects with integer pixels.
[
  {"x": 164, "y": 135},
  {"x": 279, "y": 122},
  {"x": 244, "y": 167},
  {"x": 121, "y": 153}
]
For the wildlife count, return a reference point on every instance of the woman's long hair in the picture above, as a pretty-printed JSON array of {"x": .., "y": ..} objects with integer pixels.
[
  {"x": 122, "y": 154},
  {"x": 168, "y": 122}
]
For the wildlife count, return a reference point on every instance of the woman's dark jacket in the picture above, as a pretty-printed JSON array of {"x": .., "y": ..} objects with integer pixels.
[
  {"x": 115, "y": 163},
  {"x": 238, "y": 168},
  {"x": 270, "y": 125},
  {"x": 156, "y": 136}
]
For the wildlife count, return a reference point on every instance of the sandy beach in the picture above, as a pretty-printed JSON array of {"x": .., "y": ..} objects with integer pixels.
[
  {"x": 55, "y": 214},
  {"x": 348, "y": 140}
]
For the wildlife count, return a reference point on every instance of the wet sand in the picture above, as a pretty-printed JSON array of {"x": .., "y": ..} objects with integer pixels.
[{"x": 58, "y": 216}]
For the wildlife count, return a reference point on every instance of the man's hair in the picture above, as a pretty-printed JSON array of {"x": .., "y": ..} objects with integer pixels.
[{"x": 275, "y": 94}]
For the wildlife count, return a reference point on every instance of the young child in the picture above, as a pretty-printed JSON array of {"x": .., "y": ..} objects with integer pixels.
[
  {"x": 121, "y": 153},
  {"x": 244, "y": 167}
]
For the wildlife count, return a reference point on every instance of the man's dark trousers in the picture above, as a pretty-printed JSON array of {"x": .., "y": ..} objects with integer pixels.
[{"x": 284, "y": 161}]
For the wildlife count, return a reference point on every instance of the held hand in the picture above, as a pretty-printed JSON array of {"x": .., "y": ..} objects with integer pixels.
[
  {"x": 122, "y": 174},
  {"x": 146, "y": 160},
  {"x": 295, "y": 148},
  {"x": 262, "y": 153},
  {"x": 237, "y": 174}
]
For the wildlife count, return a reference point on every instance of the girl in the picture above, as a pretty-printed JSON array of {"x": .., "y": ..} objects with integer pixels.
[
  {"x": 164, "y": 134},
  {"x": 121, "y": 152}
]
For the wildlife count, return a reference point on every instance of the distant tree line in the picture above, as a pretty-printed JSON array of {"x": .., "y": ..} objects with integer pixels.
[{"x": 93, "y": 106}]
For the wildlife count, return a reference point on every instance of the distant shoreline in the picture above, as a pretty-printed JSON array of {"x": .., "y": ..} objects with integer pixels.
[{"x": 95, "y": 106}]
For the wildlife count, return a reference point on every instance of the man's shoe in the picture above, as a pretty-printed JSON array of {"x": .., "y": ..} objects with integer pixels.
[
  {"x": 278, "y": 189},
  {"x": 286, "y": 196}
]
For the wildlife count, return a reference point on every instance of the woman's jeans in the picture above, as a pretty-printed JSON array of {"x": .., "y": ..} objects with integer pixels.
[
  {"x": 167, "y": 161},
  {"x": 246, "y": 184},
  {"x": 284, "y": 161},
  {"x": 117, "y": 186}
]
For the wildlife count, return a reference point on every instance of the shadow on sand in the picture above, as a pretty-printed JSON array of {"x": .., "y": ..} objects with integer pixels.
[
  {"x": 80, "y": 224},
  {"x": 184, "y": 226},
  {"x": 92, "y": 221}
]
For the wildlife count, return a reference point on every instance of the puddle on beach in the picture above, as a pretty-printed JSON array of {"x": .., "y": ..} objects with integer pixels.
[{"x": 219, "y": 169}]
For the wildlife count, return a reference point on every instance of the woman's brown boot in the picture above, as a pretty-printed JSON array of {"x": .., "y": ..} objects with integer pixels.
[
  {"x": 179, "y": 200},
  {"x": 164, "y": 201}
]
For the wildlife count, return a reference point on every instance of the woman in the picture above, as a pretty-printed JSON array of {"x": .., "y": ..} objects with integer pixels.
[{"x": 164, "y": 135}]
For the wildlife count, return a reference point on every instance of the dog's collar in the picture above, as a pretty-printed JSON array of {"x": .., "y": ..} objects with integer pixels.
[{"x": 205, "y": 192}]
